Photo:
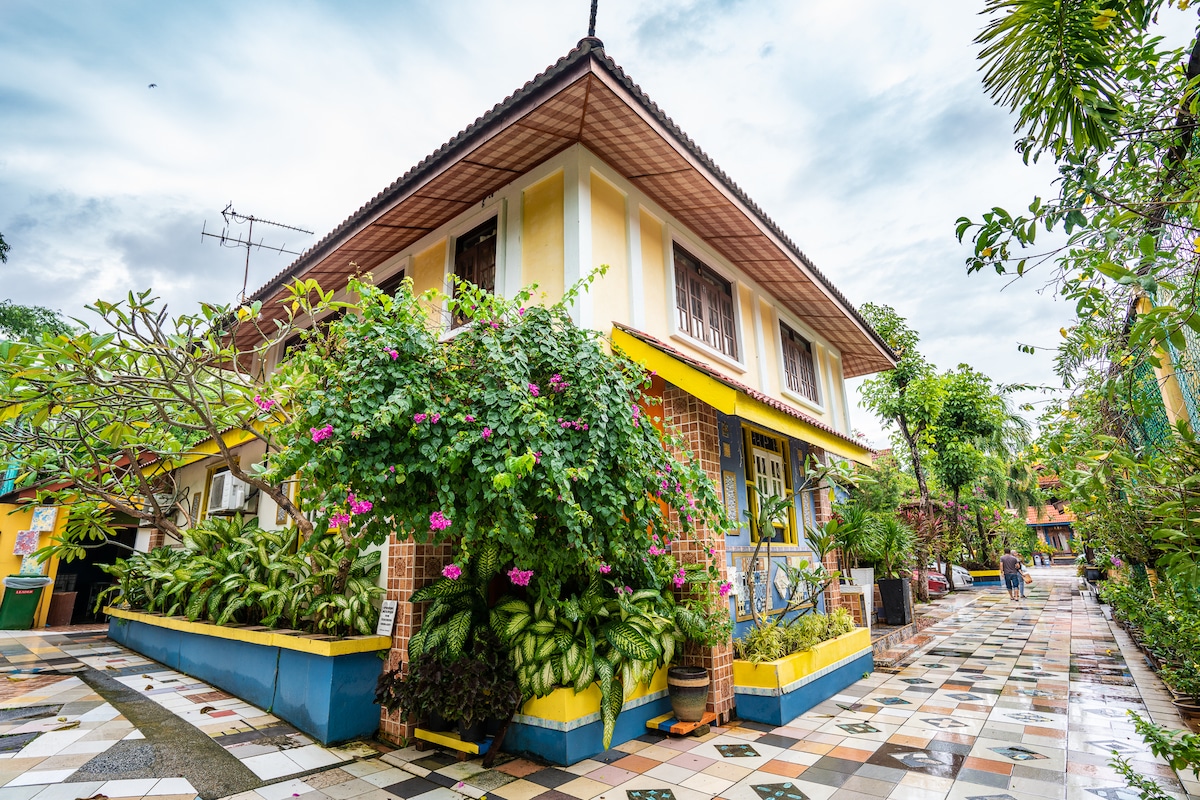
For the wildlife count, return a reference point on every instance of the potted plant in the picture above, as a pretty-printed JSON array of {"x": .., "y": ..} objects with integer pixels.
[
  {"x": 895, "y": 553},
  {"x": 483, "y": 688},
  {"x": 857, "y": 539},
  {"x": 419, "y": 693}
]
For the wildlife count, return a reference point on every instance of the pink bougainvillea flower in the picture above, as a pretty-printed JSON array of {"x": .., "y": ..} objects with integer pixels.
[
  {"x": 435, "y": 418},
  {"x": 321, "y": 434},
  {"x": 438, "y": 521},
  {"x": 520, "y": 312},
  {"x": 537, "y": 457},
  {"x": 680, "y": 578},
  {"x": 534, "y": 390},
  {"x": 628, "y": 590},
  {"x": 725, "y": 589},
  {"x": 393, "y": 353},
  {"x": 452, "y": 571},
  {"x": 655, "y": 550},
  {"x": 496, "y": 326},
  {"x": 391, "y": 469},
  {"x": 469, "y": 418},
  {"x": 339, "y": 520},
  {"x": 358, "y": 506},
  {"x": 419, "y": 418},
  {"x": 486, "y": 434},
  {"x": 520, "y": 577},
  {"x": 263, "y": 403},
  {"x": 605, "y": 569}
]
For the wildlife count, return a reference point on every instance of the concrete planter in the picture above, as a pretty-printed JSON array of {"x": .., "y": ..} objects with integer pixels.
[
  {"x": 323, "y": 686},
  {"x": 776, "y": 692},
  {"x": 986, "y": 577},
  {"x": 564, "y": 727}
]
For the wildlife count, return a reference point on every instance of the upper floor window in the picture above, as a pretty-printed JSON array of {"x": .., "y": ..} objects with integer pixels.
[
  {"x": 798, "y": 365},
  {"x": 390, "y": 284},
  {"x": 475, "y": 259},
  {"x": 704, "y": 301}
]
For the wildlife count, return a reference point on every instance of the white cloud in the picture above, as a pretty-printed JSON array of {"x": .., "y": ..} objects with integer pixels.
[{"x": 861, "y": 128}]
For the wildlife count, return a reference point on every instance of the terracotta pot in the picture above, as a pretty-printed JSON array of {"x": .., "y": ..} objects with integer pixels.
[
  {"x": 1189, "y": 711},
  {"x": 688, "y": 690}
]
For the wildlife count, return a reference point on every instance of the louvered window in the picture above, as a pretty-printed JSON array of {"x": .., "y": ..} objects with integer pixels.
[
  {"x": 704, "y": 301},
  {"x": 798, "y": 365},
  {"x": 475, "y": 259}
]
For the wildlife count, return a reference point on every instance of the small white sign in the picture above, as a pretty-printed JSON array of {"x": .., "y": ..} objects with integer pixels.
[{"x": 387, "y": 618}]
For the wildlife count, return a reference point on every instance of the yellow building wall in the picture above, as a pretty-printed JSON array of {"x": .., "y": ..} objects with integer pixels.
[
  {"x": 15, "y": 518},
  {"x": 610, "y": 295},
  {"x": 542, "y": 236},
  {"x": 429, "y": 272},
  {"x": 654, "y": 281},
  {"x": 770, "y": 353}
]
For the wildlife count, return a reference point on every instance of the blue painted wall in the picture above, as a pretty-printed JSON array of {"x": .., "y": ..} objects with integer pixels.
[
  {"x": 730, "y": 435},
  {"x": 331, "y": 698},
  {"x": 570, "y": 747}
]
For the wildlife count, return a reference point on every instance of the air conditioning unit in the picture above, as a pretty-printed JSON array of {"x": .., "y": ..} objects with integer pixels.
[{"x": 226, "y": 494}]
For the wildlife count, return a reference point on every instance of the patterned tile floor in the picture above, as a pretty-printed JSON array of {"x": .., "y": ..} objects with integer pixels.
[
  {"x": 52, "y": 723},
  {"x": 1006, "y": 701}
]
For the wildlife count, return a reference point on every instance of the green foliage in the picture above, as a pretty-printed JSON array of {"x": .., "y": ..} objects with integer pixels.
[
  {"x": 519, "y": 431},
  {"x": 603, "y": 634},
  {"x": 776, "y": 639},
  {"x": 1167, "y": 619},
  {"x": 1179, "y": 749},
  {"x": 105, "y": 414},
  {"x": 896, "y": 542},
  {"x": 478, "y": 684},
  {"x": 30, "y": 323},
  {"x": 231, "y": 571},
  {"x": 1060, "y": 66}
]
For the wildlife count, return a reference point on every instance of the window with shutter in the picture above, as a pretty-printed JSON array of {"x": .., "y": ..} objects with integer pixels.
[
  {"x": 475, "y": 259},
  {"x": 767, "y": 472},
  {"x": 798, "y": 366},
  {"x": 704, "y": 303}
]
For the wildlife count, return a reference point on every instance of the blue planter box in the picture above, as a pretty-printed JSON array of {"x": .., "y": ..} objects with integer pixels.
[
  {"x": 776, "y": 692},
  {"x": 565, "y": 728},
  {"x": 326, "y": 688}
]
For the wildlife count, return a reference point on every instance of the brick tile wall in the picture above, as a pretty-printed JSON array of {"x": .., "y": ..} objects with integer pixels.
[
  {"x": 697, "y": 422},
  {"x": 411, "y": 565}
]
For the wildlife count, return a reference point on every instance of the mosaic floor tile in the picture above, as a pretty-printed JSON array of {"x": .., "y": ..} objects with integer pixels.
[
  {"x": 650, "y": 794},
  {"x": 1018, "y": 753},
  {"x": 779, "y": 791},
  {"x": 737, "y": 751}
]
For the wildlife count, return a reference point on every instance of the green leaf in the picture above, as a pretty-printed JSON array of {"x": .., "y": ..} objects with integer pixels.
[
  {"x": 442, "y": 587},
  {"x": 459, "y": 627},
  {"x": 630, "y": 642}
]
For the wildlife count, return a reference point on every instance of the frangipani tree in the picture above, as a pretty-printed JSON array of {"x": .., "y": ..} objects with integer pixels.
[{"x": 101, "y": 417}]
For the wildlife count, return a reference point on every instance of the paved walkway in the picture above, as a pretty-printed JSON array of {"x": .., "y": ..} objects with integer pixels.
[{"x": 1004, "y": 700}]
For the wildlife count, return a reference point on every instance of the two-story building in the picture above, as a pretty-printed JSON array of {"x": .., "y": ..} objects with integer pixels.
[{"x": 750, "y": 343}]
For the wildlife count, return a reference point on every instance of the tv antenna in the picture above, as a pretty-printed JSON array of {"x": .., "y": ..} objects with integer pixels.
[{"x": 227, "y": 239}]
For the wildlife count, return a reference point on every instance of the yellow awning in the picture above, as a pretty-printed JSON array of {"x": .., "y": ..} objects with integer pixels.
[{"x": 732, "y": 401}]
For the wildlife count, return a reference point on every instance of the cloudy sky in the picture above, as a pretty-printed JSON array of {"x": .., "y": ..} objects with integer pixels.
[{"x": 861, "y": 128}]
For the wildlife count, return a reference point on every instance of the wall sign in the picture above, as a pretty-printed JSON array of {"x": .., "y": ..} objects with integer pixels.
[{"x": 387, "y": 618}]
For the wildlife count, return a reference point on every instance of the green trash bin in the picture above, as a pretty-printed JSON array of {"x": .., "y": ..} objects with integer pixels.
[{"x": 21, "y": 596}]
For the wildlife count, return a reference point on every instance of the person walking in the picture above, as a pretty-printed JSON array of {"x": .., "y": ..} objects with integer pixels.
[{"x": 1010, "y": 568}]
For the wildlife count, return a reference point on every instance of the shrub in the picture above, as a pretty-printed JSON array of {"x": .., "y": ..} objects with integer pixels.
[{"x": 778, "y": 639}]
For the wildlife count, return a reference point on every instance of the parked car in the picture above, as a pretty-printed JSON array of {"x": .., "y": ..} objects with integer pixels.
[
  {"x": 936, "y": 582},
  {"x": 962, "y": 577}
]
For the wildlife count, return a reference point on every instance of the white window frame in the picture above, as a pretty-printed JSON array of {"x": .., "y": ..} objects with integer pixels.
[{"x": 671, "y": 238}]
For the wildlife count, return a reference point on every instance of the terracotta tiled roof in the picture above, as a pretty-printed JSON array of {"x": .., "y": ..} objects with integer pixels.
[
  {"x": 1049, "y": 516},
  {"x": 585, "y": 98},
  {"x": 778, "y": 405}
]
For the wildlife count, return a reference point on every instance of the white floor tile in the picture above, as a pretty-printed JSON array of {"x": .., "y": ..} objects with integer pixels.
[
  {"x": 171, "y": 786},
  {"x": 128, "y": 787},
  {"x": 313, "y": 756},
  {"x": 271, "y": 765},
  {"x": 279, "y": 791}
]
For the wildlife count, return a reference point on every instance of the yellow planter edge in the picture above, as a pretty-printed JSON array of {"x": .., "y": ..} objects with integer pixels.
[
  {"x": 563, "y": 705},
  {"x": 984, "y": 573},
  {"x": 318, "y": 647},
  {"x": 789, "y": 669}
]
